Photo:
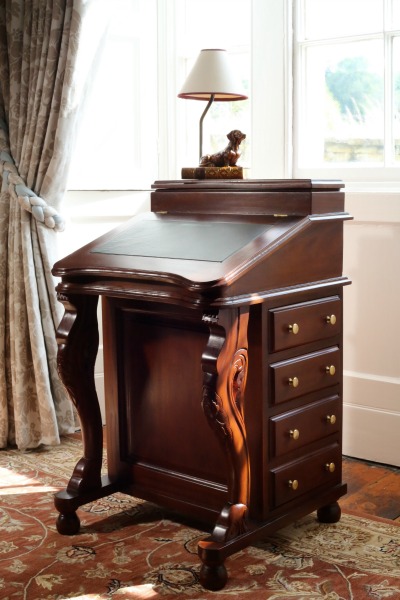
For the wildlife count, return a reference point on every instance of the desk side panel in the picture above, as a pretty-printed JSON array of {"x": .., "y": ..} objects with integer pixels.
[{"x": 312, "y": 254}]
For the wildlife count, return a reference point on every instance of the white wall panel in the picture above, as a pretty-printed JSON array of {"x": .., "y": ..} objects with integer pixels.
[{"x": 372, "y": 327}]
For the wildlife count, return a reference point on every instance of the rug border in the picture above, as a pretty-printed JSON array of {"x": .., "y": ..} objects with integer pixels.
[{"x": 369, "y": 517}]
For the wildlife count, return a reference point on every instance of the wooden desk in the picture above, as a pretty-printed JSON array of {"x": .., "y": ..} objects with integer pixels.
[{"x": 222, "y": 325}]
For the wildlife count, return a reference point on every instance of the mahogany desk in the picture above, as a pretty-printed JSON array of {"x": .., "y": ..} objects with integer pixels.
[{"x": 222, "y": 324}]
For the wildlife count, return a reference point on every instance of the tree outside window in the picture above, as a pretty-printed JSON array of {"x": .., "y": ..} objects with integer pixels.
[{"x": 348, "y": 83}]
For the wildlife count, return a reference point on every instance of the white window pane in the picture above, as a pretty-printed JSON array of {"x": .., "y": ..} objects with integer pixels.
[
  {"x": 343, "y": 112},
  {"x": 396, "y": 98},
  {"x": 395, "y": 21},
  {"x": 117, "y": 137},
  {"x": 223, "y": 24},
  {"x": 332, "y": 18}
]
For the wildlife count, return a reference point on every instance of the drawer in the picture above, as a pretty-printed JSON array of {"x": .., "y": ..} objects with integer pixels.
[
  {"x": 299, "y": 324},
  {"x": 297, "y": 428},
  {"x": 292, "y": 480},
  {"x": 304, "y": 374}
]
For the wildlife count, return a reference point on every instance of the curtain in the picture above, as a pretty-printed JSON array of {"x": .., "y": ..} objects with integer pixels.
[{"x": 38, "y": 52}]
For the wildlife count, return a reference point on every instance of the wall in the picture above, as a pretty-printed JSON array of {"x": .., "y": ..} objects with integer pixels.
[{"x": 372, "y": 327}]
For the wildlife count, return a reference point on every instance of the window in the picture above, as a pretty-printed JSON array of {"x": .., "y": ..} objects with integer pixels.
[
  {"x": 117, "y": 144},
  {"x": 135, "y": 129},
  {"x": 345, "y": 121},
  {"x": 347, "y": 88}
]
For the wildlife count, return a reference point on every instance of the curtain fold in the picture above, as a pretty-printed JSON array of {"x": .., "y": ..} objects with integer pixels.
[{"x": 38, "y": 52}]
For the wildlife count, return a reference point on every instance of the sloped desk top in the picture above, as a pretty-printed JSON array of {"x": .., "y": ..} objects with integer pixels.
[
  {"x": 200, "y": 258},
  {"x": 184, "y": 239}
]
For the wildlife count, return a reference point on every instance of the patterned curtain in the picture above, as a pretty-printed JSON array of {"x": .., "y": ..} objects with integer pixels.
[{"x": 38, "y": 49}]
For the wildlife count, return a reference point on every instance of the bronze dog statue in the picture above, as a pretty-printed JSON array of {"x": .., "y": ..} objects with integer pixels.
[{"x": 227, "y": 157}]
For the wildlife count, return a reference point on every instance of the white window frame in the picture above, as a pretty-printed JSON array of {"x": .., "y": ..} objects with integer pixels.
[
  {"x": 364, "y": 177},
  {"x": 274, "y": 97},
  {"x": 270, "y": 135},
  {"x": 272, "y": 89}
]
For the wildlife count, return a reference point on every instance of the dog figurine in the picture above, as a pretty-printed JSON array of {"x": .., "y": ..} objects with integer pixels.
[{"x": 227, "y": 157}]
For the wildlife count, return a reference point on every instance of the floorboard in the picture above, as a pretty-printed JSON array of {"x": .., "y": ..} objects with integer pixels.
[{"x": 372, "y": 488}]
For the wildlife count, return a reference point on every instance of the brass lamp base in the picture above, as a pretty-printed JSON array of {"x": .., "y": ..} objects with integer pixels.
[{"x": 212, "y": 173}]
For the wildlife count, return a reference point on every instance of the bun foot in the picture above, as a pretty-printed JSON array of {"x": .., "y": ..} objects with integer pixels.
[
  {"x": 330, "y": 513},
  {"x": 213, "y": 577},
  {"x": 68, "y": 524}
]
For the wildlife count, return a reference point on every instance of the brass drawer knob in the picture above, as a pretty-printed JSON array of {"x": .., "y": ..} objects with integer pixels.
[
  {"x": 330, "y": 370},
  {"x": 331, "y": 419},
  {"x": 294, "y": 434},
  {"x": 293, "y": 382},
  {"x": 293, "y": 484},
  {"x": 330, "y": 467},
  {"x": 331, "y": 319},
  {"x": 294, "y": 328}
]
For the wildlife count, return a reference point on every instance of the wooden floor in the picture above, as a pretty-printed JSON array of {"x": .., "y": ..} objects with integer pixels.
[{"x": 371, "y": 488}]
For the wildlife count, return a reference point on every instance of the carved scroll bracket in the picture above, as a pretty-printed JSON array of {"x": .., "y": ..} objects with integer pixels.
[
  {"x": 224, "y": 364},
  {"x": 78, "y": 342}
]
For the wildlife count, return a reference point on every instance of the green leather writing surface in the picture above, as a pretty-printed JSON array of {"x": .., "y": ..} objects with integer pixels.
[{"x": 185, "y": 240}]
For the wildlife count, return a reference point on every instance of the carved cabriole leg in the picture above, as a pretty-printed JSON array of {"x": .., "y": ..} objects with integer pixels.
[
  {"x": 78, "y": 341},
  {"x": 224, "y": 365}
]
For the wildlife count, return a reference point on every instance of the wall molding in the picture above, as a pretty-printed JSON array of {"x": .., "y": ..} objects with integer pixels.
[{"x": 371, "y": 417}]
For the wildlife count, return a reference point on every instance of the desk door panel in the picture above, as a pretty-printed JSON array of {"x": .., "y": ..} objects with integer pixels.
[{"x": 160, "y": 394}]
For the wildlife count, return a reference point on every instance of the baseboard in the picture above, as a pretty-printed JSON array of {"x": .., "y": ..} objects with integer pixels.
[{"x": 371, "y": 418}]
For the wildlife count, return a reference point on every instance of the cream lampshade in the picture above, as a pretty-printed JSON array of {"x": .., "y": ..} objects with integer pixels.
[{"x": 212, "y": 78}]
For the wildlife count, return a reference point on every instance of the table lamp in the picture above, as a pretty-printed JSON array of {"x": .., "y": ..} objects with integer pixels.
[{"x": 213, "y": 79}]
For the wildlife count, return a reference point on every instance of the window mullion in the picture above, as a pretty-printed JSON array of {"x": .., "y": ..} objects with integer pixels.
[
  {"x": 387, "y": 14},
  {"x": 389, "y": 74},
  {"x": 167, "y": 86}
]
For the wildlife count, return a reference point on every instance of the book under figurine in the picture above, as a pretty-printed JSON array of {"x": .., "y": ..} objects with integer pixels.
[{"x": 212, "y": 173}]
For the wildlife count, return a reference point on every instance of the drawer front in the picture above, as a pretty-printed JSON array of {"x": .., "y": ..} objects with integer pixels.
[
  {"x": 308, "y": 373},
  {"x": 297, "y": 478},
  {"x": 299, "y": 324},
  {"x": 297, "y": 428}
]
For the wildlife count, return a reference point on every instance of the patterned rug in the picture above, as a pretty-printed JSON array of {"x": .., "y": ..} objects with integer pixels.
[{"x": 130, "y": 549}]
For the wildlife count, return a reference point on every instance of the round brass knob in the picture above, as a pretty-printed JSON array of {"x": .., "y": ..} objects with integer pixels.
[
  {"x": 294, "y": 434},
  {"x": 293, "y": 382},
  {"x": 331, "y": 319},
  {"x": 330, "y": 467},
  {"x": 293, "y": 484},
  {"x": 331, "y": 370},
  {"x": 294, "y": 328},
  {"x": 331, "y": 419}
]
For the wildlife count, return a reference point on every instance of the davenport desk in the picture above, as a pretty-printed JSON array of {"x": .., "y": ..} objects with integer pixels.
[{"x": 222, "y": 335}]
